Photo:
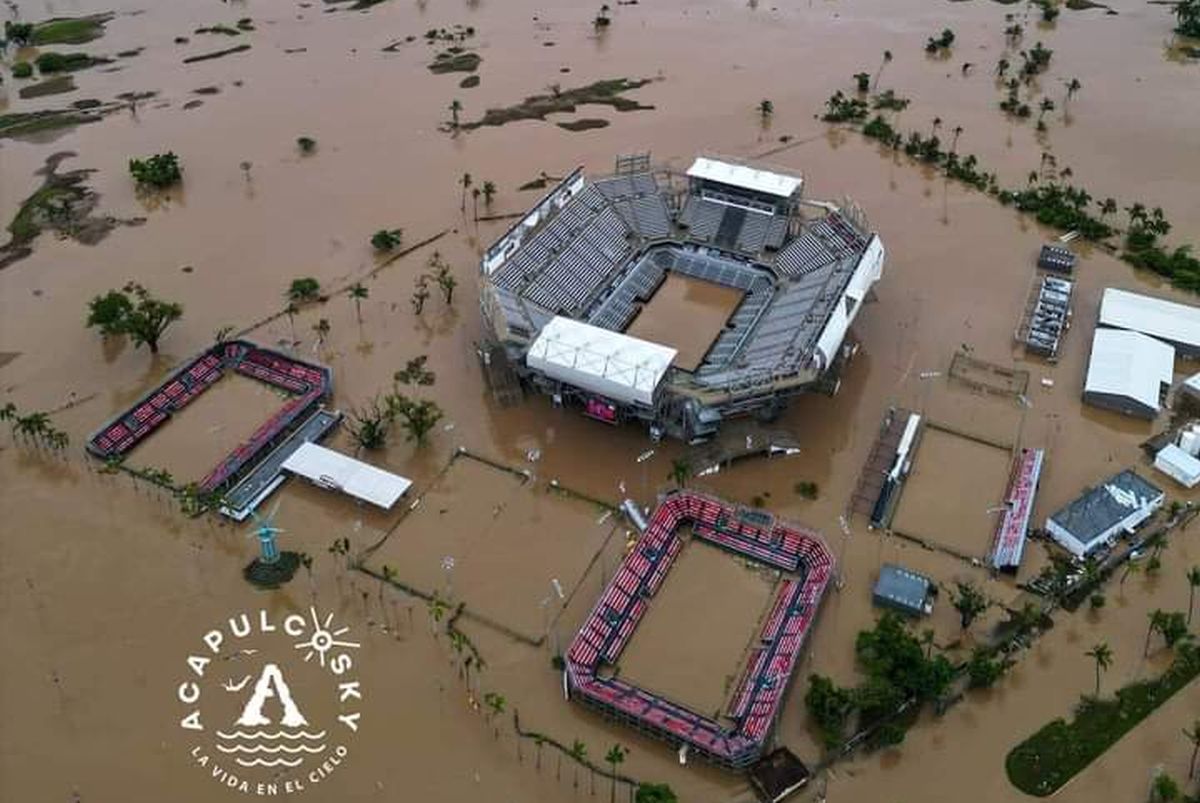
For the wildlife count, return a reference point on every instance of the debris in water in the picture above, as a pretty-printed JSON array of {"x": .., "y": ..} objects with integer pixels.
[{"x": 646, "y": 455}]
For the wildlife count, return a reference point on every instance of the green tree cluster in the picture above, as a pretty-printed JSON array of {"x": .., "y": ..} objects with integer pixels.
[
  {"x": 134, "y": 312},
  {"x": 159, "y": 171}
]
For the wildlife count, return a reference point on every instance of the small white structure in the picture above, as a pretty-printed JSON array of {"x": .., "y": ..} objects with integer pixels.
[
  {"x": 746, "y": 178},
  {"x": 1127, "y": 372},
  {"x": 1178, "y": 465},
  {"x": 1191, "y": 387},
  {"x": 1177, "y": 324},
  {"x": 335, "y": 471},
  {"x": 1097, "y": 518},
  {"x": 619, "y": 367}
]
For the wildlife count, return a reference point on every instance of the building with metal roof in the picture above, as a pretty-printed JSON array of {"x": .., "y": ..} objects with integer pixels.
[
  {"x": 1178, "y": 465},
  {"x": 335, "y": 471},
  {"x": 1128, "y": 372},
  {"x": 1102, "y": 514},
  {"x": 596, "y": 251},
  {"x": 1177, "y": 324},
  {"x": 904, "y": 591}
]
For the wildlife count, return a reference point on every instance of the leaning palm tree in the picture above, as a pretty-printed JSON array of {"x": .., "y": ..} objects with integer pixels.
[
  {"x": 614, "y": 756},
  {"x": 1193, "y": 736},
  {"x": 1158, "y": 619},
  {"x": 358, "y": 291},
  {"x": 1103, "y": 656},
  {"x": 1193, "y": 578},
  {"x": 887, "y": 58}
]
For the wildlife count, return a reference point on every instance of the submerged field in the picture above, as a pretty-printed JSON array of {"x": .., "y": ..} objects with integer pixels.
[{"x": 106, "y": 587}]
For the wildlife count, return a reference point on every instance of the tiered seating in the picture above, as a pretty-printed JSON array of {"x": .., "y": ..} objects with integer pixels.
[
  {"x": 702, "y": 217},
  {"x": 803, "y": 255},
  {"x": 753, "y": 236},
  {"x": 755, "y": 704},
  {"x": 577, "y": 271},
  {"x": 307, "y": 382},
  {"x": 777, "y": 229}
]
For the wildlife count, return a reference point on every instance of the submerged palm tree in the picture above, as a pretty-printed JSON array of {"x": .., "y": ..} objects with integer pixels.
[
  {"x": 887, "y": 58},
  {"x": 489, "y": 191},
  {"x": 614, "y": 756},
  {"x": 765, "y": 108},
  {"x": 465, "y": 183},
  {"x": 681, "y": 469},
  {"x": 1193, "y": 736},
  {"x": 455, "y": 107},
  {"x": 1103, "y": 656},
  {"x": 1193, "y": 578},
  {"x": 358, "y": 291}
]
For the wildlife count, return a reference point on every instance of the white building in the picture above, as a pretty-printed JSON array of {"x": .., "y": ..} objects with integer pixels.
[
  {"x": 1097, "y": 518},
  {"x": 1128, "y": 372},
  {"x": 1178, "y": 465},
  {"x": 1177, "y": 324}
]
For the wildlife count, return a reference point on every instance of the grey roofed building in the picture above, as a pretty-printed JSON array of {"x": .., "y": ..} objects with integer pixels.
[
  {"x": 1055, "y": 257},
  {"x": 904, "y": 591},
  {"x": 1097, "y": 517}
]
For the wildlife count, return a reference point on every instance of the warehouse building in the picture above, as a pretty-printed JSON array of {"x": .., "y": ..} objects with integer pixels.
[
  {"x": 1177, "y": 324},
  {"x": 1128, "y": 372},
  {"x": 1101, "y": 515}
]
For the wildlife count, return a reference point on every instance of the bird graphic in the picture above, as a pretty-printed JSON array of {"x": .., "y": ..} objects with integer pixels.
[{"x": 230, "y": 686}]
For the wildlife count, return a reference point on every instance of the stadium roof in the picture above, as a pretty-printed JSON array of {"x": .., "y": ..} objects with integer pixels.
[
  {"x": 1130, "y": 365},
  {"x": 745, "y": 177},
  {"x": 1176, "y": 323},
  {"x": 618, "y": 366},
  {"x": 335, "y": 471}
]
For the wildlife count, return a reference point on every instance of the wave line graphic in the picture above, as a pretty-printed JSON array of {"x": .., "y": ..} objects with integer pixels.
[
  {"x": 274, "y": 762},
  {"x": 277, "y": 735},
  {"x": 263, "y": 748}
]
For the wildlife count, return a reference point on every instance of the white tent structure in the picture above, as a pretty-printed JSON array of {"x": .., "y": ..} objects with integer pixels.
[
  {"x": 1178, "y": 465},
  {"x": 335, "y": 471},
  {"x": 1127, "y": 372},
  {"x": 619, "y": 367},
  {"x": 1177, "y": 324},
  {"x": 746, "y": 178}
]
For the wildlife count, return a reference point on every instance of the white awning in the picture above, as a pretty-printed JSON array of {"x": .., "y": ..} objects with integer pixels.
[
  {"x": 335, "y": 471},
  {"x": 745, "y": 177},
  {"x": 1167, "y": 320},
  {"x": 620, "y": 367},
  {"x": 1129, "y": 364}
]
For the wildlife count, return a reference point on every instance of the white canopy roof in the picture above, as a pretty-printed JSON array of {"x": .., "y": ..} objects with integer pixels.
[
  {"x": 747, "y": 178},
  {"x": 620, "y": 367},
  {"x": 1179, "y": 465},
  {"x": 1178, "y": 323},
  {"x": 337, "y": 472},
  {"x": 1129, "y": 364}
]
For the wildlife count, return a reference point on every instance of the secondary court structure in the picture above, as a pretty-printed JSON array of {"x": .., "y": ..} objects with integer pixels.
[
  {"x": 738, "y": 735},
  {"x": 679, "y": 301}
]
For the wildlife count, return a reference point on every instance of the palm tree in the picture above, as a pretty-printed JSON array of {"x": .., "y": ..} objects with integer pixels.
[
  {"x": 1108, "y": 207},
  {"x": 1073, "y": 86},
  {"x": 475, "y": 193},
  {"x": 937, "y": 123},
  {"x": 1103, "y": 656},
  {"x": 455, "y": 107},
  {"x": 887, "y": 58},
  {"x": 579, "y": 753},
  {"x": 1046, "y": 105},
  {"x": 420, "y": 293},
  {"x": 437, "y": 609},
  {"x": 927, "y": 636},
  {"x": 1193, "y": 737},
  {"x": 1158, "y": 619},
  {"x": 1002, "y": 67},
  {"x": 290, "y": 310},
  {"x": 681, "y": 469},
  {"x": 495, "y": 703},
  {"x": 321, "y": 327},
  {"x": 765, "y": 108},
  {"x": 358, "y": 292},
  {"x": 1193, "y": 578},
  {"x": 489, "y": 190},
  {"x": 465, "y": 182},
  {"x": 958, "y": 129},
  {"x": 1137, "y": 214},
  {"x": 614, "y": 756},
  {"x": 388, "y": 575}
]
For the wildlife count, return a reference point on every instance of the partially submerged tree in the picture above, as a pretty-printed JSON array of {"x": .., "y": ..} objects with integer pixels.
[
  {"x": 970, "y": 602},
  {"x": 134, "y": 312},
  {"x": 1103, "y": 656},
  {"x": 359, "y": 293},
  {"x": 303, "y": 290},
  {"x": 765, "y": 108},
  {"x": 158, "y": 171},
  {"x": 386, "y": 239}
]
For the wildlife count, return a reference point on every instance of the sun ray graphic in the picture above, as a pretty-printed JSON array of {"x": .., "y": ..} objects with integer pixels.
[{"x": 324, "y": 638}]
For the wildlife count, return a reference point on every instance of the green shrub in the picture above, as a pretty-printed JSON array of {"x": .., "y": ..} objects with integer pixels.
[
  {"x": 159, "y": 171},
  {"x": 22, "y": 69}
]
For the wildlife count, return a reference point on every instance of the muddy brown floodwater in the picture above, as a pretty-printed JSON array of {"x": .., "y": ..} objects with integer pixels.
[{"x": 105, "y": 588}]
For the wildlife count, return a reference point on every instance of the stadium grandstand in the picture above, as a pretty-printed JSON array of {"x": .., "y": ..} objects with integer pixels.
[
  {"x": 739, "y": 734},
  {"x": 593, "y": 256},
  {"x": 306, "y": 385}
]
